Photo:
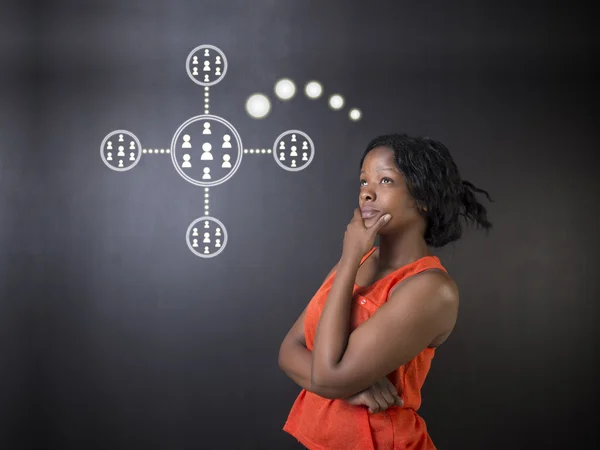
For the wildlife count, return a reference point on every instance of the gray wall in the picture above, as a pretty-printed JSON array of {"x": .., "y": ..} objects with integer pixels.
[{"x": 114, "y": 335}]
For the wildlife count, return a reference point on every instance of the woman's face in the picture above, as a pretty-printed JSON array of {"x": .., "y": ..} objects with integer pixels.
[{"x": 383, "y": 190}]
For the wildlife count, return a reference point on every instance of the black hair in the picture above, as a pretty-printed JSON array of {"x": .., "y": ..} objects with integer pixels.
[{"x": 433, "y": 180}]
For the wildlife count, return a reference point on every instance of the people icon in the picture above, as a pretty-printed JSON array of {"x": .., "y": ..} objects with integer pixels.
[
  {"x": 304, "y": 156},
  {"x": 226, "y": 164},
  {"x": 281, "y": 156},
  {"x": 109, "y": 156},
  {"x": 195, "y": 243},
  {"x": 121, "y": 152},
  {"x": 120, "y": 163},
  {"x": 132, "y": 145},
  {"x": 206, "y": 53},
  {"x": 293, "y": 138},
  {"x": 195, "y": 60},
  {"x": 206, "y": 175},
  {"x": 206, "y": 252},
  {"x": 218, "y": 244},
  {"x": 206, "y": 128},
  {"x": 206, "y": 66},
  {"x": 218, "y": 71},
  {"x": 132, "y": 156},
  {"x": 186, "y": 161},
  {"x": 218, "y": 232},
  {"x": 293, "y": 163},
  {"x": 121, "y": 138},
  {"x": 206, "y": 238},
  {"x": 206, "y": 79},
  {"x": 207, "y": 155},
  {"x": 109, "y": 145},
  {"x": 226, "y": 143},
  {"x": 282, "y": 145},
  {"x": 186, "y": 141},
  {"x": 195, "y": 71},
  {"x": 206, "y": 224},
  {"x": 195, "y": 231},
  {"x": 218, "y": 60},
  {"x": 293, "y": 152},
  {"x": 305, "y": 145}
]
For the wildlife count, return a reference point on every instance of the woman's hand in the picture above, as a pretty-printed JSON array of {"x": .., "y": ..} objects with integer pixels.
[
  {"x": 359, "y": 239},
  {"x": 378, "y": 397}
]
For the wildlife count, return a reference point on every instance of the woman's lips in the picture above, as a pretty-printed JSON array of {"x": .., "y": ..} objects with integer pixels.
[{"x": 367, "y": 214}]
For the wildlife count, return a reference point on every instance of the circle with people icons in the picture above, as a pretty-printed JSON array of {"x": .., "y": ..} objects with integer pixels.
[
  {"x": 206, "y": 237},
  {"x": 120, "y": 150},
  {"x": 293, "y": 150},
  {"x": 206, "y": 150},
  {"x": 206, "y": 65}
]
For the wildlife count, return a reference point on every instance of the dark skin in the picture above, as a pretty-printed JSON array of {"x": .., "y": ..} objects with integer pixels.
[{"x": 421, "y": 311}]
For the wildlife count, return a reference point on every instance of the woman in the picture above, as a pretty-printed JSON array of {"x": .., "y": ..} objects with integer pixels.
[{"x": 363, "y": 346}]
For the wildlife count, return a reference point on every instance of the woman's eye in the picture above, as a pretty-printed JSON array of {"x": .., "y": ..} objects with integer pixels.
[{"x": 383, "y": 179}]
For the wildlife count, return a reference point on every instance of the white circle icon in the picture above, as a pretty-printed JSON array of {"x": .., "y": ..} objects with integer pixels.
[
  {"x": 285, "y": 89},
  {"x": 206, "y": 237},
  {"x": 206, "y": 65},
  {"x": 121, "y": 150},
  {"x": 258, "y": 106}
]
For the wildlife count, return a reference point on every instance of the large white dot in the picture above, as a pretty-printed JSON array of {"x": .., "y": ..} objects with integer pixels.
[
  {"x": 336, "y": 101},
  {"x": 355, "y": 114},
  {"x": 313, "y": 89},
  {"x": 258, "y": 106},
  {"x": 285, "y": 89}
]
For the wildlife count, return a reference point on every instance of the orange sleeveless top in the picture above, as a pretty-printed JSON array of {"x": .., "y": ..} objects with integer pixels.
[{"x": 332, "y": 424}]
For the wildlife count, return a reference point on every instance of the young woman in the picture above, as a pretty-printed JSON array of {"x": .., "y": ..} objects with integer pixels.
[{"x": 363, "y": 346}]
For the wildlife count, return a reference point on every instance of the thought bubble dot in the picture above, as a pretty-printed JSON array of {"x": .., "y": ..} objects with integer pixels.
[
  {"x": 285, "y": 89},
  {"x": 258, "y": 106},
  {"x": 313, "y": 89},
  {"x": 355, "y": 114},
  {"x": 336, "y": 101}
]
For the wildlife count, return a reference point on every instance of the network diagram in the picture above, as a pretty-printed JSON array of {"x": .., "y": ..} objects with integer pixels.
[{"x": 207, "y": 150}]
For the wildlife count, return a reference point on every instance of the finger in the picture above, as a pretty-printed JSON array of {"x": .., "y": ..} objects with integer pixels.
[
  {"x": 370, "y": 403},
  {"x": 394, "y": 392},
  {"x": 388, "y": 393},
  {"x": 380, "y": 223},
  {"x": 381, "y": 401}
]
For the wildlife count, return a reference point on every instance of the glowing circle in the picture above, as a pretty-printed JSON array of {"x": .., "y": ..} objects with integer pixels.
[
  {"x": 285, "y": 89},
  {"x": 336, "y": 101},
  {"x": 313, "y": 89},
  {"x": 355, "y": 114},
  {"x": 258, "y": 106}
]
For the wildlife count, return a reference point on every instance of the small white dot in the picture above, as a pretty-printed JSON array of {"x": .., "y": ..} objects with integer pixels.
[
  {"x": 168, "y": 151},
  {"x": 313, "y": 89},
  {"x": 206, "y": 88},
  {"x": 258, "y": 106},
  {"x": 206, "y": 111},
  {"x": 285, "y": 89},
  {"x": 355, "y": 114},
  {"x": 205, "y": 189},
  {"x": 336, "y": 101}
]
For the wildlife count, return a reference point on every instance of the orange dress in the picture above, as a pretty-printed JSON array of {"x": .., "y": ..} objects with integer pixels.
[{"x": 332, "y": 424}]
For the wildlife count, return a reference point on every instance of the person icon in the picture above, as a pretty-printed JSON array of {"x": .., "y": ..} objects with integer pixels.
[
  {"x": 120, "y": 163},
  {"x": 195, "y": 243},
  {"x": 195, "y": 60},
  {"x": 293, "y": 163},
  {"x": 218, "y": 244},
  {"x": 121, "y": 152},
  {"x": 218, "y": 60},
  {"x": 206, "y": 252},
  {"x": 206, "y": 175},
  {"x": 206, "y": 238},
  {"x": 218, "y": 71},
  {"x": 206, "y": 224},
  {"x": 195, "y": 231},
  {"x": 186, "y": 141},
  {"x": 304, "y": 156},
  {"x": 206, "y": 52},
  {"x": 293, "y": 138},
  {"x": 109, "y": 145},
  {"x": 109, "y": 156},
  {"x": 206, "y": 79},
  {"x": 121, "y": 138},
  {"x": 195, "y": 71},
  {"x": 293, "y": 152},
  {"x": 281, "y": 156},
  {"x": 132, "y": 156},
  {"x": 282, "y": 145},
  {"x": 218, "y": 232},
  {"x": 186, "y": 162},
  {"x": 206, "y": 128},
  {"x": 226, "y": 164},
  {"x": 206, "y": 66},
  {"x": 132, "y": 145},
  {"x": 305, "y": 145},
  {"x": 207, "y": 155},
  {"x": 226, "y": 143}
]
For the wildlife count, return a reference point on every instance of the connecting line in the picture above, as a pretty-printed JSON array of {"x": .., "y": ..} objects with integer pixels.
[
  {"x": 257, "y": 150},
  {"x": 206, "y": 99},
  {"x": 206, "y": 201},
  {"x": 156, "y": 150}
]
